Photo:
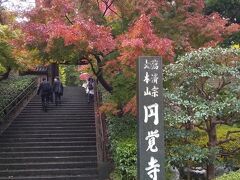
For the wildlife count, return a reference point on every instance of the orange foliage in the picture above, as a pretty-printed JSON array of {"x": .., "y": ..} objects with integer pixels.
[
  {"x": 109, "y": 108},
  {"x": 131, "y": 107},
  {"x": 141, "y": 40}
]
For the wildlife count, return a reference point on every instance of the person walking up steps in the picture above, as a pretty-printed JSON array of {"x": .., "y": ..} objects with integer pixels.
[
  {"x": 90, "y": 87},
  {"x": 45, "y": 90},
  {"x": 58, "y": 90}
]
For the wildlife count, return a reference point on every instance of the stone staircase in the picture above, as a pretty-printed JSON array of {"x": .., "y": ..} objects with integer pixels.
[{"x": 58, "y": 144}]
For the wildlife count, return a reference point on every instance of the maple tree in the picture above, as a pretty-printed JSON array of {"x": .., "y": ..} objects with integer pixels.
[
  {"x": 13, "y": 54},
  {"x": 183, "y": 23},
  {"x": 94, "y": 42},
  {"x": 111, "y": 34}
]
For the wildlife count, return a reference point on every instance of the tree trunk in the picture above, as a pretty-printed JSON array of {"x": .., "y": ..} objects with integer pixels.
[
  {"x": 99, "y": 74},
  {"x": 53, "y": 72},
  {"x": 210, "y": 171},
  {"x": 104, "y": 83},
  {"x": 212, "y": 141},
  {"x": 6, "y": 74}
]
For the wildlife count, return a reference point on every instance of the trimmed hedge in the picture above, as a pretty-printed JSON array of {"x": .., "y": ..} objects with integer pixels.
[
  {"x": 12, "y": 87},
  {"x": 230, "y": 176}
]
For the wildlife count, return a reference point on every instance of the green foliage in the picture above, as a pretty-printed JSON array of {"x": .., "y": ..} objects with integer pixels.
[
  {"x": 187, "y": 155},
  {"x": 232, "y": 40},
  {"x": 222, "y": 130},
  {"x": 123, "y": 145},
  {"x": 203, "y": 86},
  {"x": 62, "y": 74},
  {"x": 62, "y": 53},
  {"x": 69, "y": 75},
  {"x": 230, "y": 176},
  {"x": 230, "y": 146},
  {"x": 227, "y": 8},
  {"x": 2, "y": 69},
  {"x": 6, "y": 57},
  {"x": 123, "y": 89},
  {"x": 11, "y": 88},
  {"x": 125, "y": 158},
  {"x": 117, "y": 27}
]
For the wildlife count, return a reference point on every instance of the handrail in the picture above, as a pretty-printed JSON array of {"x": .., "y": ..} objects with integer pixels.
[
  {"x": 18, "y": 99},
  {"x": 100, "y": 127}
]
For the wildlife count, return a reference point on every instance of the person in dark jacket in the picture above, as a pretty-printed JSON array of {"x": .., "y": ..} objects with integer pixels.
[
  {"x": 45, "y": 91},
  {"x": 58, "y": 90},
  {"x": 90, "y": 89}
]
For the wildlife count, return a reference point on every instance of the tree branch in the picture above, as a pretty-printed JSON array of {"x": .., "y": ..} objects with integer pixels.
[
  {"x": 221, "y": 85},
  {"x": 99, "y": 74},
  {"x": 234, "y": 151},
  {"x": 107, "y": 6},
  {"x": 115, "y": 12},
  {"x": 68, "y": 19},
  {"x": 225, "y": 121},
  {"x": 228, "y": 139},
  {"x": 200, "y": 127},
  {"x": 231, "y": 132},
  {"x": 224, "y": 141},
  {"x": 91, "y": 64},
  {"x": 220, "y": 122},
  {"x": 201, "y": 88},
  {"x": 207, "y": 125}
]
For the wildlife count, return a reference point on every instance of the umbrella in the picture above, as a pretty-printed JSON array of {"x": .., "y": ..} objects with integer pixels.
[{"x": 84, "y": 76}]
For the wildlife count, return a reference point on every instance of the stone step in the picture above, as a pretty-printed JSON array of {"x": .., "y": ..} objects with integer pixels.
[
  {"x": 52, "y": 121},
  {"x": 47, "y": 148},
  {"x": 64, "y": 177},
  {"x": 67, "y": 118},
  {"x": 31, "y": 131},
  {"x": 52, "y": 128},
  {"x": 49, "y": 124},
  {"x": 47, "y": 159},
  {"x": 70, "y": 177},
  {"x": 49, "y": 143},
  {"x": 44, "y": 135},
  {"x": 68, "y": 106},
  {"x": 46, "y": 139},
  {"x": 46, "y": 153},
  {"x": 48, "y": 165},
  {"x": 58, "y": 115},
  {"x": 58, "y": 144},
  {"x": 87, "y": 172}
]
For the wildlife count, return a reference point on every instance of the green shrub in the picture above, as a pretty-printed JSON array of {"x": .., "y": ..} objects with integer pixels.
[
  {"x": 125, "y": 158},
  {"x": 230, "y": 176},
  {"x": 11, "y": 88},
  {"x": 2, "y": 69},
  {"x": 123, "y": 145},
  {"x": 121, "y": 127}
]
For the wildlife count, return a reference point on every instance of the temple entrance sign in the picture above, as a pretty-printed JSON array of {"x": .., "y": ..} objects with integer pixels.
[{"x": 150, "y": 119}]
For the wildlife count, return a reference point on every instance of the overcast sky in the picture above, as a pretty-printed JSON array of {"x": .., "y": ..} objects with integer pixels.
[{"x": 19, "y": 4}]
